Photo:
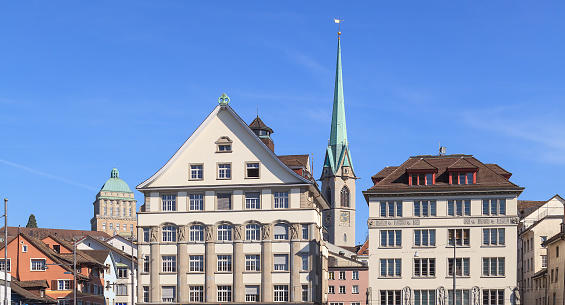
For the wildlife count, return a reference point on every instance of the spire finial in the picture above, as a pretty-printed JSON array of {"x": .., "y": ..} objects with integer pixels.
[
  {"x": 223, "y": 100},
  {"x": 338, "y": 21},
  {"x": 115, "y": 173}
]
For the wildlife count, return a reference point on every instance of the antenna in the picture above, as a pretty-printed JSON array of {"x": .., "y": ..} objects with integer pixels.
[{"x": 442, "y": 150}]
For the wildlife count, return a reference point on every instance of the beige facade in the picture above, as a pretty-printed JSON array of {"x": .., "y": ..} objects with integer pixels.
[
  {"x": 534, "y": 229},
  {"x": 209, "y": 236},
  {"x": 555, "y": 270}
]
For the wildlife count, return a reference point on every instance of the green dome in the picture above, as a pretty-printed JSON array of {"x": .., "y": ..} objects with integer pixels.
[{"x": 115, "y": 184}]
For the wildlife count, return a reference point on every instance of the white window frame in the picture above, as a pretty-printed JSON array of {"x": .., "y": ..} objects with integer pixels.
[
  {"x": 395, "y": 235},
  {"x": 489, "y": 241},
  {"x": 252, "y": 200},
  {"x": 196, "y": 171},
  {"x": 280, "y": 267},
  {"x": 280, "y": 293},
  {"x": 424, "y": 267},
  {"x": 251, "y": 165},
  {"x": 495, "y": 266},
  {"x": 392, "y": 208},
  {"x": 168, "y": 202},
  {"x": 34, "y": 260},
  {"x": 281, "y": 200},
  {"x": 196, "y": 293},
  {"x": 224, "y": 171},
  {"x": 224, "y": 293},
  {"x": 224, "y": 232},
  {"x": 224, "y": 262},
  {"x": 169, "y": 233},
  {"x": 168, "y": 263},
  {"x": 426, "y": 238},
  {"x": 252, "y": 262},
  {"x": 196, "y": 202},
  {"x": 196, "y": 263},
  {"x": 64, "y": 284},
  {"x": 252, "y": 232},
  {"x": 196, "y": 233},
  {"x": 392, "y": 268}
]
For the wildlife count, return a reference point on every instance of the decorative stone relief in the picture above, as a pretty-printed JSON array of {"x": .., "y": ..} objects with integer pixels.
[
  {"x": 154, "y": 234},
  {"x": 238, "y": 232},
  {"x": 181, "y": 233},
  {"x": 406, "y": 296},
  {"x": 476, "y": 293},
  {"x": 293, "y": 228},
  {"x": 209, "y": 232},
  {"x": 440, "y": 292},
  {"x": 266, "y": 231}
]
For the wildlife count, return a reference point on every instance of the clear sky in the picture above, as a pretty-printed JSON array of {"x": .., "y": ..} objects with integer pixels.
[{"x": 90, "y": 85}]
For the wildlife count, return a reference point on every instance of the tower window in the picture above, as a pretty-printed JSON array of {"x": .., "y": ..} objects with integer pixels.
[{"x": 345, "y": 197}]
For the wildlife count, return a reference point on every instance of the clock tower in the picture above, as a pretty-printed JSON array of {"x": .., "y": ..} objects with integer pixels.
[{"x": 338, "y": 178}]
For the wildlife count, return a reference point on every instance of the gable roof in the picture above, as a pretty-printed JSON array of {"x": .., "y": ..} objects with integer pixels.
[
  {"x": 41, "y": 233},
  {"x": 18, "y": 288},
  {"x": 111, "y": 248},
  {"x": 146, "y": 184},
  {"x": 395, "y": 179},
  {"x": 527, "y": 207}
]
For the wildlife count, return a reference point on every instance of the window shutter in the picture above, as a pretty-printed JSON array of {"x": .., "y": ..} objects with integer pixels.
[
  {"x": 280, "y": 229},
  {"x": 224, "y": 202},
  {"x": 168, "y": 292},
  {"x": 54, "y": 285},
  {"x": 280, "y": 259},
  {"x": 253, "y": 290}
]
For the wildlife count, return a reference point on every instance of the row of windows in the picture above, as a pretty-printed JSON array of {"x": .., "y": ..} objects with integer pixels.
[
  {"x": 224, "y": 171},
  {"x": 225, "y": 232},
  {"x": 456, "y": 177},
  {"x": 342, "y": 275},
  {"x": 196, "y": 263},
  {"x": 223, "y": 201},
  {"x": 343, "y": 290},
  {"x": 110, "y": 210},
  {"x": 123, "y": 227},
  {"x": 343, "y": 196},
  {"x": 428, "y": 208},
  {"x": 427, "y": 237},
  {"x": 225, "y": 293},
  {"x": 426, "y": 267},
  {"x": 430, "y": 297}
]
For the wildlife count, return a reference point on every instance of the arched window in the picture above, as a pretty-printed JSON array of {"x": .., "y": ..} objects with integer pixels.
[
  {"x": 252, "y": 232},
  {"x": 281, "y": 231},
  {"x": 345, "y": 197},
  {"x": 224, "y": 232},
  {"x": 197, "y": 233},
  {"x": 169, "y": 233},
  {"x": 329, "y": 196}
]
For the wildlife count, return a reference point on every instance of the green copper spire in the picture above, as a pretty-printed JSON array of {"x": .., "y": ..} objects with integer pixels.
[{"x": 337, "y": 153}]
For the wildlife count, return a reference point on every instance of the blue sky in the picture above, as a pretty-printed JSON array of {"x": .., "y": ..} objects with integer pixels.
[{"x": 90, "y": 85}]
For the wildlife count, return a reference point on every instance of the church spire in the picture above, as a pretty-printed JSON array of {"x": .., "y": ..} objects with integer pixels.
[{"x": 337, "y": 153}]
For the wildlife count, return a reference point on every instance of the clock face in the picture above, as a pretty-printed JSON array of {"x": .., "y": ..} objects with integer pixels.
[{"x": 344, "y": 218}]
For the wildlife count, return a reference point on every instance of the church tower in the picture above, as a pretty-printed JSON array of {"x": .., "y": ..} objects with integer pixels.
[{"x": 338, "y": 177}]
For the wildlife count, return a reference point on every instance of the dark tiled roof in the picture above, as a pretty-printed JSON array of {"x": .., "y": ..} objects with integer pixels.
[
  {"x": 17, "y": 287},
  {"x": 41, "y": 233},
  {"x": 422, "y": 164},
  {"x": 33, "y": 284},
  {"x": 499, "y": 170},
  {"x": 99, "y": 255},
  {"x": 258, "y": 124},
  {"x": 396, "y": 178},
  {"x": 527, "y": 207},
  {"x": 295, "y": 160}
]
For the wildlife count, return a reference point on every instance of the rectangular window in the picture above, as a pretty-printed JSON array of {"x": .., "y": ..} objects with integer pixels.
[
  {"x": 331, "y": 290},
  {"x": 342, "y": 290},
  {"x": 169, "y": 263},
  {"x": 424, "y": 267},
  {"x": 424, "y": 297},
  {"x": 494, "y": 266},
  {"x": 494, "y": 206},
  {"x": 146, "y": 294},
  {"x": 146, "y": 263},
  {"x": 355, "y": 275},
  {"x": 196, "y": 233},
  {"x": 494, "y": 237},
  {"x": 305, "y": 293},
  {"x": 461, "y": 266},
  {"x": 224, "y": 263},
  {"x": 122, "y": 273},
  {"x": 169, "y": 234},
  {"x": 224, "y": 201},
  {"x": 281, "y": 200},
  {"x": 121, "y": 289},
  {"x": 391, "y": 267},
  {"x": 252, "y": 293},
  {"x": 544, "y": 261},
  {"x": 252, "y": 200},
  {"x": 462, "y": 297},
  {"x": 331, "y": 275},
  {"x": 224, "y": 293},
  {"x": 391, "y": 238},
  {"x": 38, "y": 264},
  {"x": 342, "y": 275},
  {"x": 493, "y": 297},
  {"x": 196, "y": 294},
  {"x": 391, "y": 208},
  {"x": 391, "y": 297},
  {"x": 168, "y": 294},
  {"x": 196, "y": 172},
  {"x": 281, "y": 262},
  {"x": 460, "y": 207},
  {"x": 462, "y": 178},
  {"x": 280, "y": 293},
  {"x": 252, "y": 262},
  {"x": 305, "y": 262},
  {"x": 425, "y": 238},
  {"x": 305, "y": 231},
  {"x": 224, "y": 171},
  {"x": 2, "y": 263},
  {"x": 196, "y": 263},
  {"x": 252, "y": 170},
  {"x": 64, "y": 285},
  {"x": 169, "y": 202},
  {"x": 425, "y": 208},
  {"x": 458, "y": 236},
  {"x": 355, "y": 289},
  {"x": 196, "y": 202}
]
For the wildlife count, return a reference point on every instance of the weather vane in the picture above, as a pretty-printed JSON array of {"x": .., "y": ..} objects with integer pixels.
[{"x": 338, "y": 21}]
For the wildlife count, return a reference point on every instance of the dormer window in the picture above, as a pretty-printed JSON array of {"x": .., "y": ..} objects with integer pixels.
[
  {"x": 462, "y": 178},
  {"x": 421, "y": 178},
  {"x": 223, "y": 145}
]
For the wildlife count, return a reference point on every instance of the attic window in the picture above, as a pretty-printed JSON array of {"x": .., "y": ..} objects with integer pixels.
[
  {"x": 421, "y": 178},
  {"x": 223, "y": 144},
  {"x": 461, "y": 177}
]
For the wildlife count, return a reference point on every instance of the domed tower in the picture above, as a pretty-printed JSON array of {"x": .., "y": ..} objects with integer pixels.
[
  {"x": 115, "y": 207},
  {"x": 263, "y": 132}
]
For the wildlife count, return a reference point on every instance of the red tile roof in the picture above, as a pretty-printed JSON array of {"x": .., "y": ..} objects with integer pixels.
[
  {"x": 527, "y": 207},
  {"x": 41, "y": 233}
]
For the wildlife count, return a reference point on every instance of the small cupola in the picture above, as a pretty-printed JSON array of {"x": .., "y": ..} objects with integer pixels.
[{"x": 263, "y": 132}]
